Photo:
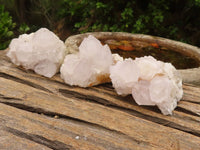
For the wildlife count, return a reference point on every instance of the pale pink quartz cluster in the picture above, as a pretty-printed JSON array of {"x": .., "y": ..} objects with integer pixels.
[
  {"x": 41, "y": 51},
  {"x": 90, "y": 66},
  {"x": 150, "y": 82}
]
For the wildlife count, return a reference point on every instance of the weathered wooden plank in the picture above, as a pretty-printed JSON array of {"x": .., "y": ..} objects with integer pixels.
[
  {"x": 58, "y": 133},
  {"x": 191, "y": 93},
  {"x": 100, "y": 107},
  {"x": 9, "y": 141},
  {"x": 192, "y": 107},
  {"x": 110, "y": 118},
  {"x": 107, "y": 96}
]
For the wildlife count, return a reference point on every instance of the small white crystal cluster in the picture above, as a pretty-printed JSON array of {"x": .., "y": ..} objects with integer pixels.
[
  {"x": 41, "y": 51},
  {"x": 150, "y": 82},
  {"x": 90, "y": 66}
]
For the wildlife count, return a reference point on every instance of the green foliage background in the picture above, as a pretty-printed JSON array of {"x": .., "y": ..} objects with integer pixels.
[
  {"x": 174, "y": 19},
  {"x": 6, "y": 28}
]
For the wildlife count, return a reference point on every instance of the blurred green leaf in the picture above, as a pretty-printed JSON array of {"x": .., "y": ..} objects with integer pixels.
[
  {"x": 24, "y": 28},
  {"x": 6, "y": 28}
]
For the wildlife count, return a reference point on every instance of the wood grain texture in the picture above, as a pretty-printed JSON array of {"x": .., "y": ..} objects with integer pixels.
[{"x": 45, "y": 113}]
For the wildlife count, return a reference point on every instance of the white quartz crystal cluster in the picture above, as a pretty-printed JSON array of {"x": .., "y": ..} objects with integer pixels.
[
  {"x": 41, "y": 51},
  {"x": 90, "y": 66},
  {"x": 150, "y": 82}
]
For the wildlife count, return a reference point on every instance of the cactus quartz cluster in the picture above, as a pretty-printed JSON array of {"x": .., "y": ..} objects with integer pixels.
[
  {"x": 150, "y": 82},
  {"x": 41, "y": 51},
  {"x": 90, "y": 66}
]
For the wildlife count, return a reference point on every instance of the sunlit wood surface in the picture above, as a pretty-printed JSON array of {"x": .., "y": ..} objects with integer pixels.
[{"x": 38, "y": 113}]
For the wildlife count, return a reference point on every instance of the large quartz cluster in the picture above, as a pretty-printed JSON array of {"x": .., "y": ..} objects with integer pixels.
[
  {"x": 41, "y": 51},
  {"x": 90, "y": 66},
  {"x": 150, "y": 82}
]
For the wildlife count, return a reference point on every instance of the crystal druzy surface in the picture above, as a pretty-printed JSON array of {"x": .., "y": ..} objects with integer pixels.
[
  {"x": 150, "y": 82},
  {"x": 41, "y": 51},
  {"x": 90, "y": 66}
]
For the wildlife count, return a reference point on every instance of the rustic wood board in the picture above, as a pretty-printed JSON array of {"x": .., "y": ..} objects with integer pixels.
[{"x": 41, "y": 113}]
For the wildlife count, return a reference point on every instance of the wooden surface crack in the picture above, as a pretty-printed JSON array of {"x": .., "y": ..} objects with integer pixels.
[
  {"x": 55, "y": 145},
  {"x": 159, "y": 121},
  {"x": 181, "y": 109},
  {"x": 10, "y": 98},
  {"x": 31, "y": 84},
  {"x": 91, "y": 98}
]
